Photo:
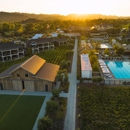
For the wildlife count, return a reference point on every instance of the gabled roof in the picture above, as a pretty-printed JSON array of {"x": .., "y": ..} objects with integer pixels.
[
  {"x": 48, "y": 72},
  {"x": 8, "y": 46},
  {"x": 33, "y": 64},
  {"x": 36, "y": 36},
  {"x": 7, "y": 72},
  {"x": 40, "y": 40},
  {"x": 36, "y": 66}
]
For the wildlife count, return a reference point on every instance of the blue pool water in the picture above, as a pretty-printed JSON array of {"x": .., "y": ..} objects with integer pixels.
[{"x": 120, "y": 69}]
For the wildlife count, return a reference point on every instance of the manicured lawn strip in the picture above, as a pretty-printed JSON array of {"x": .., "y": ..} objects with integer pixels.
[
  {"x": 23, "y": 114},
  {"x": 104, "y": 108}
]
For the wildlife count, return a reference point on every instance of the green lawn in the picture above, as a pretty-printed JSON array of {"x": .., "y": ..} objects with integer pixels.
[
  {"x": 104, "y": 108},
  {"x": 19, "y": 113}
]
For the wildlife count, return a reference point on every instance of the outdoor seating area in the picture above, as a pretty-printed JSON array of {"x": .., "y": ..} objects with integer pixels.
[
  {"x": 104, "y": 69},
  {"x": 113, "y": 58}
]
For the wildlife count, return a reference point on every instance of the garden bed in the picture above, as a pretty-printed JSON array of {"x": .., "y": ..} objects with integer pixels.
[
  {"x": 64, "y": 88},
  {"x": 59, "y": 117}
]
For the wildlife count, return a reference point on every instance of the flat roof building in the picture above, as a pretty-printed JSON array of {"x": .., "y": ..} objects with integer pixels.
[{"x": 86, "y": 69}]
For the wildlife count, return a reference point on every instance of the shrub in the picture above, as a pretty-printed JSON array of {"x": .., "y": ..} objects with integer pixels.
[
  {"x": 44, "y": 123},
  {"x": 51, "y": 107}
]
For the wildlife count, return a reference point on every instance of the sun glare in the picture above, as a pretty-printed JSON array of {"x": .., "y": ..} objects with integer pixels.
[{"x": 64, "y": 7}]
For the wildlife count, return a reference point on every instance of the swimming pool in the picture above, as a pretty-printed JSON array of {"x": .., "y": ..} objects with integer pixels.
[{"x": 120, "y": 69}]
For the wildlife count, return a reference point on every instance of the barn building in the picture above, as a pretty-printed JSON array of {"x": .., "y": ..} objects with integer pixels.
[{"x": 35, "y": 74}]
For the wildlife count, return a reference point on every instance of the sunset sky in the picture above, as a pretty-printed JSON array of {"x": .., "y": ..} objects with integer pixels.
[{"x": 107, "y": 7}]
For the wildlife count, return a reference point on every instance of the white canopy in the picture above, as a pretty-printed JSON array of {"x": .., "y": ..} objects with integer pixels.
[{"x": 105, "y": 70}]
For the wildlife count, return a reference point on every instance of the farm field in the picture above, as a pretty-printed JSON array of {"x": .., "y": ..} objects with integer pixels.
[
  {"x": 53, "y": 56},
  {"x": 19, "y": 112},
  {"x": 103, "y": 108}
]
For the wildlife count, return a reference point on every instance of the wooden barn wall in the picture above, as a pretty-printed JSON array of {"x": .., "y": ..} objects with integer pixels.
[{"x": 31, "y": 83}]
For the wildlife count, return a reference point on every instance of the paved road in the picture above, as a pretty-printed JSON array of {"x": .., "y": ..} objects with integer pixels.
[{"x": 71, "y": 107}]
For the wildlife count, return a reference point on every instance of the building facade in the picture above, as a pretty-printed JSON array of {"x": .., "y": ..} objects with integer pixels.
[
  {"x": 42, "y": 44},
  {"x": 35, "y": 74},
  {"x": 10, "y": 51}
]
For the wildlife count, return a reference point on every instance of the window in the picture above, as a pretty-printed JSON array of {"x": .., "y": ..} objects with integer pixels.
[
  {"x": 18, "y": 75},
  {"x": 26, "y": 75}
]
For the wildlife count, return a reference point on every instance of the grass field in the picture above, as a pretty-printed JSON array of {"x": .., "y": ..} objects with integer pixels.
[
  {"x": 103, "y": 108},
  {"x": 19, "y": 112}
]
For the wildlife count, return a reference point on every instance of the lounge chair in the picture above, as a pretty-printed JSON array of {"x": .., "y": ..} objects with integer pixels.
[{"x": 109, "y": 76}]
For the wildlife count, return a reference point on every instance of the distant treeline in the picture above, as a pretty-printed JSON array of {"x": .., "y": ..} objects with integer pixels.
[{"x": 17, "y": 17}]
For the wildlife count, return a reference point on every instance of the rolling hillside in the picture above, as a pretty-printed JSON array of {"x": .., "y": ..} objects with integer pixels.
[{"x": 17, "y": 17}]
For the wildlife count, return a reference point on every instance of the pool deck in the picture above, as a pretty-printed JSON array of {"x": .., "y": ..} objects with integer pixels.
[{"x": 112, "y": 80}]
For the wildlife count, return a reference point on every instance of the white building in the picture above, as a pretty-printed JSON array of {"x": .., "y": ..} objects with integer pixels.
[{"x": 86, "y": 69}]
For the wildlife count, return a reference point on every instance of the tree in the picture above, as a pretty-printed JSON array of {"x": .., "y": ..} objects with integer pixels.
[
  {"x": 69, "y": 53},
  {"x": 95, "y": 66},
  {"x": 115, "y": 46},
  {"x": 91, "y": 52},
  {"x": 44, "y": 123},
  {"x": 97, "y": 45},
  {"x": 120, "y": 51},
  {"x": 71, "y": 46},
  {"x": 62, "y": 76},
  {"x": 93, "y": 59},
  {"x": 106, "y": 51},
  {"x": 63, "y": 64},
  {"x": 51, "y": 107},
  {"x": 55, "y": 93},
  {"x": 65, "y": 80},
  {"x": 97, "y": 80}
]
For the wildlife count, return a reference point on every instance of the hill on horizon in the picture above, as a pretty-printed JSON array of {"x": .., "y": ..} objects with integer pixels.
[{"x": 18, "y": 17}]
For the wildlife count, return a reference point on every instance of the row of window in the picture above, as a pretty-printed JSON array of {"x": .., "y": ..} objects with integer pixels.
[{"x": 18, "y": 75}]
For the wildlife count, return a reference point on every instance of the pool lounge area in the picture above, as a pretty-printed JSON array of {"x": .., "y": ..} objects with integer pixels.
[
  {"x": 116, "y": 72},
  {"x": 120, "y": 69}
]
